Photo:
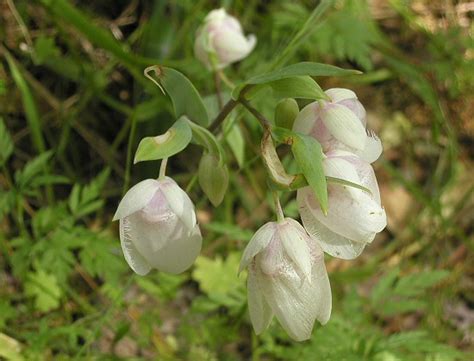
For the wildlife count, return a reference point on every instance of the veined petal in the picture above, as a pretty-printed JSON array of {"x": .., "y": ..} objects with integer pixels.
[
  {"x": 177, "y": 255},
  {"x": 260, "y": 312},
  {"x": 134, "y": 259},
  {"x": 321, "y": 289},
  {"x": 338, "y": 94},
  {"x": 331, "y": 242},
  {"x": 353, "y": 218},
  {"x": 340, "y": 168},
  {"x": 292, "y": 303},
  {"x": 306, "y": 118},
  {"x": 259, "y": 241},
  {"x": 179, "y": 202},
  {"x": 344, "y": 125},
  {"x": 355, "y": 106},
  {"x": 372, "y": 150},
  {"x": 294, "y": 240},
  {"x": 136, "y": 198}
]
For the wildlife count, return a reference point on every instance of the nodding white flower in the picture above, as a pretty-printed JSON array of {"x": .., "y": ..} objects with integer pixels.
[
  {"x": 339, "y": 124},
  {"x": 354, "y": 216},
  {"x": 220, "y": 41},
  {"x": 158, "y": 227},
  {"x": 287, "y": 278}
]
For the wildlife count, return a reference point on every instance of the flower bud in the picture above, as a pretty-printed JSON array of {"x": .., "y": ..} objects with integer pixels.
[
  {"x": 158, "y": 227},
  {"x": 339, "y": 124},
  {"x": 220, "y": 41},
  {"x": 354, "y": 216},
  {"x": 213, "y": 178},
  {"x": 286, "y": 112},
  {"x": 287, "y": 278}
]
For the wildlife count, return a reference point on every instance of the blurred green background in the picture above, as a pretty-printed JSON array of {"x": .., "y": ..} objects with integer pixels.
[{"x": 74, "y": 103}]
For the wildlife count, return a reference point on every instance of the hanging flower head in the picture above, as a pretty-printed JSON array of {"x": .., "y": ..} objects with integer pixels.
[
  {"x": 287, "y": 278},
  {"x": 354, "y": 216},
  {"x": 220, "y": 41},
  {"x": 339, "y": 124},
  {"x": 158, "y": 227}
]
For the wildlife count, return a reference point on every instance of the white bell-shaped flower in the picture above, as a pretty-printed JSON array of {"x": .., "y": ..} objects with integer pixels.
[
  {"x": 158, "y": 227},
  {"x": 339, "y": 124},
  {"x": 220, "y": 41},
  {"x": 286, "y": 278},
  {"x": 354, "y": 215}
]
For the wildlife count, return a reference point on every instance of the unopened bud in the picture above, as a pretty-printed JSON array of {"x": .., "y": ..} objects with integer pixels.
[
  {"x": 213, "y": 178},
  {"x": 286, "y": 112}
]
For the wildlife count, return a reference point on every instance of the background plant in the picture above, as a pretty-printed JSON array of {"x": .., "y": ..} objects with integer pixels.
[{"x": 74, "y": 104}]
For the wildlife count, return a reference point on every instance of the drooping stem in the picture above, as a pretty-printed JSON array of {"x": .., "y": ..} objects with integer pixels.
[
  {"x": 228, "y": 107},
  {"x": 225, "y": 79},
  {"x": 163, "y": 165},
  {"x": 278, "y": 209},
  {"x": 263, "y": 121},
  {"x": 217, "y": 83}
]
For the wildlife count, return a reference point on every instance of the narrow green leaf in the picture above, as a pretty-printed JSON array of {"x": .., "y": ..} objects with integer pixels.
[
  {"x": 309, "y": 156},
  {"x": 186, "y": 99},
  {"x": 206, "y": 139},
  {"x": 294, "y": 70},
  {"x": 6, "y": 143},
  {"x": 31, "y": 170},
  {"x": 163, "y": 146},
  {"x": 303, "y": 87},
  {"x": 29, "y": 104},
  {"x": 347, "y": 183}
]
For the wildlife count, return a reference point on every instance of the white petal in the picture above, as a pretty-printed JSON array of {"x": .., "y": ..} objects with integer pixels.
[
  {"x": 294, "y": 240},
  {"x": 260, "y": 312},
  {"x": 292, "y": 303},
  {"x": 344, "y": 125},
  {"x": 321, "y": 289},
  {"x": 134, "y": 259},
  {"x": 372, "y": 150},
  {"x": 232, "y": 46},
  {"x": 341, "y": 168},
  {"x": 179, "y": 254},
  {"x": 259, "y": 241},
  {"x": 304, "y": 121},
  {"x": 353, "y": 218},
  {"x": 136, "y": 198},
  {"x": 179, "y": 202},
  {"x": 331, "y": 242},
  {"x": 338, "y": 94},
  {"x": 357, "y": 108}
]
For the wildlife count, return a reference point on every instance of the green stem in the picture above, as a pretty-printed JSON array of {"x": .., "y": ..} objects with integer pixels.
[
  {"x": 131, "y": 137},
  {"x": 163, "y": 165},
  {"x": 278, "y": 209}
]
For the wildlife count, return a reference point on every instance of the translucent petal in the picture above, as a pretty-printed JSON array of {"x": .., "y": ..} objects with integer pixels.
[
  {"x": 305, "y": 120},
  {"x": 292, "y": 302},
  {"x": 344, "y": 125},
  {"x": 331, "y": 242},
  {"x": 357, "y": 108},
  {"x": 179, "y": 254},
  {"x": 321, "y": 290},
  {"x": 260, "y": 312},
  {"x": 136, "y": 198},
  {"x": 134, "y": 259},
  {"x": 341, "y": 168},
  {"x": 259, "y": 241},
  {"x": 179, "y": 202},
  {"x": 372, "y": 150},
  {"x": 338, "y": 94},
  {"x": 294, "y": 240},
  {"x": 353, "y": 218}
]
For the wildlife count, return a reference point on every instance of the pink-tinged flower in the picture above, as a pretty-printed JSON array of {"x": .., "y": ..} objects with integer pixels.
[
  {"x": 286, "y": 278},
  {"x": 339, "y": 124},
  {"x": 220, "y": 41},
  {"x": 158, "y": 227},
  {"x": 354, "y": 215}
]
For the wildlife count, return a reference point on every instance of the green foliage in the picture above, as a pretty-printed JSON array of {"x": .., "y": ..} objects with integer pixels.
[
  {"x": 165, "y": 145},
  {"x": 44, "y": 288}
]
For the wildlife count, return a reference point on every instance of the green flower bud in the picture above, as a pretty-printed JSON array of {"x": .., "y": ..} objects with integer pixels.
[
  {"x": 213, "y": 178},
  {"x": 286, "y": 112}
]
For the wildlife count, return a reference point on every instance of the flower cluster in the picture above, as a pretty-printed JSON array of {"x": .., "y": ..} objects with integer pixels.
[{"x": 287, "y": 277}]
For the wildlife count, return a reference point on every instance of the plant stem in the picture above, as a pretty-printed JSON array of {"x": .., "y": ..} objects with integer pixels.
[
  {"x": 263, "y": 121},
  {"x": 228, "y": 107},
  {"x": 217, "y": 83},
  {"x": 278, "y": 209},
  {"x": 131, "y": 137},
  {"x": 163, "y": 165}
]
